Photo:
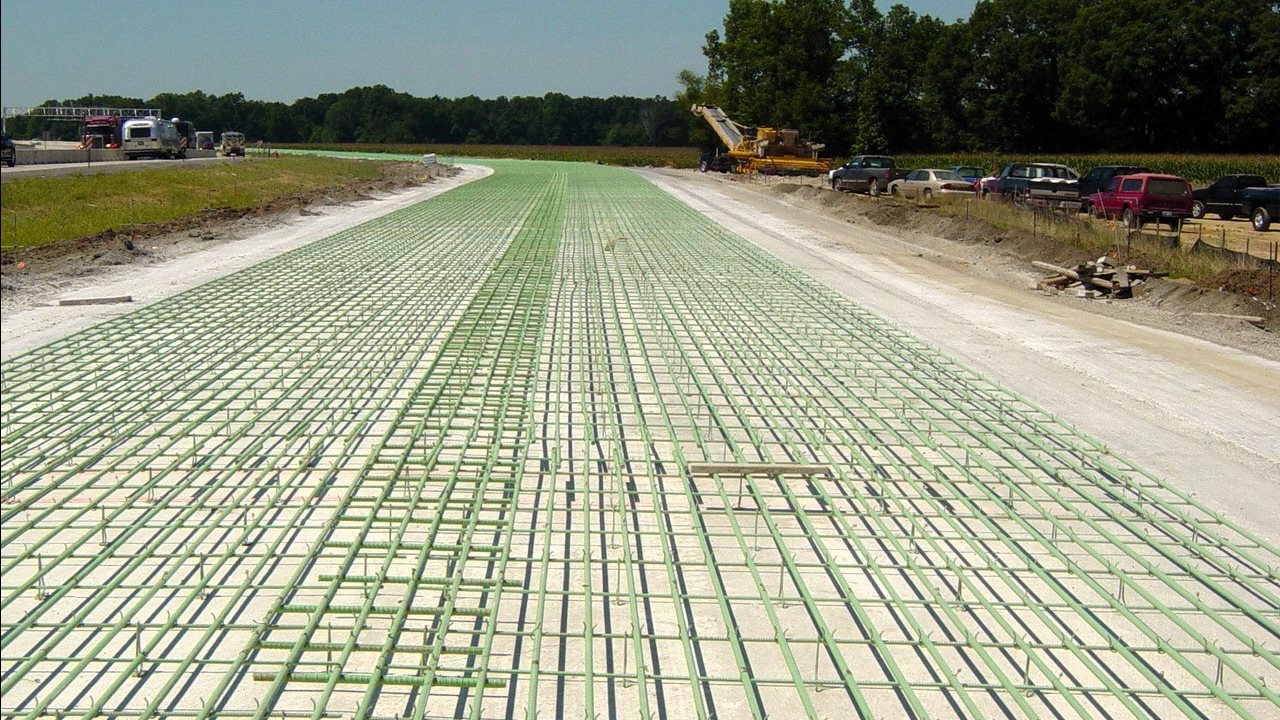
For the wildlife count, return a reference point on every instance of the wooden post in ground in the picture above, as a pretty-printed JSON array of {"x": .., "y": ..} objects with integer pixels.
[{"x": 1271, "y": 272}]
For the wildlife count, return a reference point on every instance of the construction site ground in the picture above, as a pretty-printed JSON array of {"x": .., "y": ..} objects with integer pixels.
[{"x": 581, "y": 441}]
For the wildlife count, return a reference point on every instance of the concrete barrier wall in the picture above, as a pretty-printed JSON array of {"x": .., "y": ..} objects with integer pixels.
[
  {"x": 46, "y": 157},
  {"x": 30, "y": 156}
]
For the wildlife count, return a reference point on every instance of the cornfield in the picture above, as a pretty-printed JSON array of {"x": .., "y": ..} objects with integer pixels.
[{"x": 605, "y": 155}]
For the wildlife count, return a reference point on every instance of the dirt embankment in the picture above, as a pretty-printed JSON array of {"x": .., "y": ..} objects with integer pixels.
[
  {"x": 73, "y": 261},
  {"x": 1232, "y": 291}
]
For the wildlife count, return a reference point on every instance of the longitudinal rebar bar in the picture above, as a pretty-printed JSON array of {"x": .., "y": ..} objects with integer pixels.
[{"x": 553, "y": 444}]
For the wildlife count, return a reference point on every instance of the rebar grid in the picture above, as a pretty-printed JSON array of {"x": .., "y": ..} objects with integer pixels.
[{"x": 552, "y": 444}]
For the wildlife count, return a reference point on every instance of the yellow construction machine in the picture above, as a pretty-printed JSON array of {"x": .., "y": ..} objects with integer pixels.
[{"x": 771, "y": 151}]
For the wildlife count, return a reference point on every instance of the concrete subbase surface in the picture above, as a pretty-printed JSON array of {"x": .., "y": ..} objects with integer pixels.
[{"x": 554, "y": 443}]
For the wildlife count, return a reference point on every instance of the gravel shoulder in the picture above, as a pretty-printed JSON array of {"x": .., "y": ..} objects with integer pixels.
[{"x": 1195, "y": 400}]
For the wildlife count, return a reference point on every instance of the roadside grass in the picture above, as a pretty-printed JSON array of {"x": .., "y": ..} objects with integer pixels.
[
  {"x": 679, "y": 157},
  {"x": 1156, "y": 247},
  {"x": 1200, "y": 169},
  {"x": 38, "y": 211}
]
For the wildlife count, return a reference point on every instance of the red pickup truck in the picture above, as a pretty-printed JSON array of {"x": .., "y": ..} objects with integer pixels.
[{"x": 1135, "y": 199}]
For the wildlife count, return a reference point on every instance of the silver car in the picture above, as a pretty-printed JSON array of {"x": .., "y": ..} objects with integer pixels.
[{"x": 929, "y": 182}]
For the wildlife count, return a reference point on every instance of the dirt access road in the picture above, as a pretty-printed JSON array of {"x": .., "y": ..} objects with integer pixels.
[{"x": 1192, "y": 409}]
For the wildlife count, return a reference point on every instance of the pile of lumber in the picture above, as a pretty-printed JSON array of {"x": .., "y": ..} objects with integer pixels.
[{"x": 1102, "y": 278}]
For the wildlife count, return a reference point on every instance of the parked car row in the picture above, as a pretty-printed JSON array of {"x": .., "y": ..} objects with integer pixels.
[
  {"x": 1145, "y": 196},
  {"x": 1133, "y": 194}
]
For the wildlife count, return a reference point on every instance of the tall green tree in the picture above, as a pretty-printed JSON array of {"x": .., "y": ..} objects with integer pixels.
[
  {"x": 946, "y": 91},
  {"x": 1016, "y": 48},
  {"x": 892, "y": 111},
  {"x": 777, "y": 63},
  {"x": 699, "y": 89},
  {"x": 1251, "y": 98}
]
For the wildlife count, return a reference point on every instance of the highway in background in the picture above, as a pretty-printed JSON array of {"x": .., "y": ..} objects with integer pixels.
[{"x": 8, "y": 174}]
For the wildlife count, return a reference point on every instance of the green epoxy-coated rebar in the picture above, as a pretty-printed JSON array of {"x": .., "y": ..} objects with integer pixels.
[{"x": 447, "y": 463}]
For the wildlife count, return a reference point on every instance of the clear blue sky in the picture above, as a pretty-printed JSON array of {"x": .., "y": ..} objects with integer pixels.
[{"x": 283, "y": 50}]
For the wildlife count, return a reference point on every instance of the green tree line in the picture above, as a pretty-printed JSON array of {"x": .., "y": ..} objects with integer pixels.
[
  {"x": 379, "y": 114},
  {"x": 1074, "y": 76},
  {"x": 1017, "y": 75}
]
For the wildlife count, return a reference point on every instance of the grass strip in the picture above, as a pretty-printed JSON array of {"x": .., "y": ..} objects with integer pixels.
[
  {"x": 1153, "y": 248},
  {"x": 43, "y": 210}
]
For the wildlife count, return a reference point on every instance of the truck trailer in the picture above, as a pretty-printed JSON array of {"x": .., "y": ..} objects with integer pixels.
[{"x": 152, "y": 137}]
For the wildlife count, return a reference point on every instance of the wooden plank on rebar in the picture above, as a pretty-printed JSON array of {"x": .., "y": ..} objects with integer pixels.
[
  {"x": 112, "y": 300},
  {"x": 757, "y": 469}
]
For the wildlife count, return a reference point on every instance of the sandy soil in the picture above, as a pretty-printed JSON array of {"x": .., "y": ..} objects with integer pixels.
[
  {"x": 1194, "y": 399},
  {"x": 171, "y": 257},
  {"x": 1236, "y": 234}
]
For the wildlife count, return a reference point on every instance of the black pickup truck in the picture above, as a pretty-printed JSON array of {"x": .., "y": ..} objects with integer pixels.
[
  {"x": 865, "y": 173},
  {"x": 8, "y": 152},
  {"x": 1260, "y": 205},
  {"x": 1223, "y": 196}
]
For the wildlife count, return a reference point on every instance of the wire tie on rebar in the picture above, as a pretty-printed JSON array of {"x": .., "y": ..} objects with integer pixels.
[
  {"x": 40, "y": 593},
  {"x": 137, "y": 649}
]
